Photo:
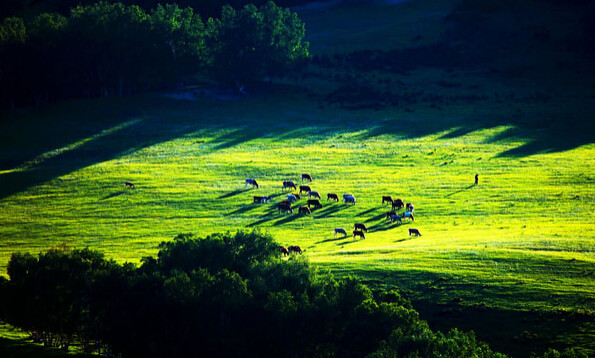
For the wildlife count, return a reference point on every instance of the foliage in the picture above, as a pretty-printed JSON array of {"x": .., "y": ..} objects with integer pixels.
[
  {"x": 254, "y": 43},
  {"x": 223, "y": 295},
  {"x": 107, "y": 49},
  {"x": 418, "y": 340},
  {"x": 207, "y": 8},
  {"x": 567, "y": 353}
]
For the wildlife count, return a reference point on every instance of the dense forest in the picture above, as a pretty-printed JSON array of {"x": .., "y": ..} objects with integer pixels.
[
  {"x": 223, "y": 295},
  {"x": 107, "y": 49}
]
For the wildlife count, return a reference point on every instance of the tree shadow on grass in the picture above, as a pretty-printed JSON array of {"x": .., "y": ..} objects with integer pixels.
[{"x": 87, "y": 132}]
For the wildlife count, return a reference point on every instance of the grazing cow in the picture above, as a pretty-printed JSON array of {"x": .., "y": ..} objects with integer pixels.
[
  {"x": 332, "y": 196},
  {"x": 409, "y": 207},
  {"x": 283, "y": 250},
  {"x": 358, "y": 233},
  {"x": 315, "y": 203},
  {"x": 314, "y": 194},
  {"x": 304, "y": 209},
  {"x": 293, "y": 197},
  {"x": 262, "y": 199},
  {"x": 128, "y": 184},
  {"x": 389, "y": 214},
  {"x": 307, "y": 177},
  {"x": 387, "y": 199},
  {"x": 289, "y": 184},
  {"x": 414, "y": 232},
  {"x": 340, "y": 231},
  {"x": 349, "y": 199},
  {"x": 305, "y": 189},
  {"x": 284, "y": 207},
  {"x": 409, "y": 215},
  {"x": 360, "y": 226},
  {"x": 397, "y": 204},
  {"x": 394, "y": 218},
  {"x": 252, "y": 182},
  {"x": 295, "y": 249}
]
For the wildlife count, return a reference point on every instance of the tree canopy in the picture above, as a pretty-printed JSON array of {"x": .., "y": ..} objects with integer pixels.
[{"x": 107, "y": 49}]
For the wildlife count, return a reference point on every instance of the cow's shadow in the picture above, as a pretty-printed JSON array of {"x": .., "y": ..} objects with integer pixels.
[
  {"x": 331, "y": 239},
  {"x": 234, "y": 193},
  {"x": 113, "y": 195}
]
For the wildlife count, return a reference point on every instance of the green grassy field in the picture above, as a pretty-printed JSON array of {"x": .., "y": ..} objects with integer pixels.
[{"x": 519, "y": 245}]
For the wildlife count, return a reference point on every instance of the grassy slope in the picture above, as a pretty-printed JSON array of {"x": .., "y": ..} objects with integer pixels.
[{"x": 522, "y": 240}]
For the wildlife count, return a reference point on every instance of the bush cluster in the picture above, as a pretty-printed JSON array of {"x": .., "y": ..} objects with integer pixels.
[{"x": 223, "y": 295}]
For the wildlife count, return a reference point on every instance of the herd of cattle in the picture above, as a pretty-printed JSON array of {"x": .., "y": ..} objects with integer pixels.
[{"x": 313, "y": 203}]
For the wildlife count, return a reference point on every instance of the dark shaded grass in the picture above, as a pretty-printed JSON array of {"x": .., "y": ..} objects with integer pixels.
[{"x": 23, "y": 348}]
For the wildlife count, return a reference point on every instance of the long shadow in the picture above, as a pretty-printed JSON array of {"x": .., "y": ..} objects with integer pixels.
[
  {"x": 333, "y": 239},
  {"x": 319, "y": 214},
  {"x": 287, "y": 219},
  {"x": 113, "y": 195},
  {"x": 242, "y": 210},
  {"x": 376, "y": 218},
  {"x": 233, "y": 193},
  {"x": 459, "y": 191},
  {"x": 260, "y": 222},
  {"x": 101, "y": 131},
  {"x": 366, "y": 212},
  {"x": 386, "y": 226}
]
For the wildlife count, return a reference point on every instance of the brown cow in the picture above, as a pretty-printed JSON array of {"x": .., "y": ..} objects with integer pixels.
[
  {"x": 295, "y": 249},
  {"x": 283, "y": 250},
  {"x": 307, "y": 177},
  {"x": 398, "y": 204},
  {"x": 305, "y": 189},
  {"x": 284, "y": 207},
  {"x": 128, "y": 184},
  {"x": 314, "y": 194},
  {"x": 387, "y": 199},
  {"x": 315, "y": 203},
  {"x": 289, "y": 184},
  {"x": 414, "y": 232},
  {"x": 358, "y": 233},
  {"x": 332, "y": 196},
  {"x": 360, "y": 226},
  {"x": 304, "y": 209}
]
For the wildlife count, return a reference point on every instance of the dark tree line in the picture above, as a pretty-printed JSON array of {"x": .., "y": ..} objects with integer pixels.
[
  {"x": 207, "y": 8},
  {"x": 224, "y": 295},
  {"x": 108, "y": 49}
]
